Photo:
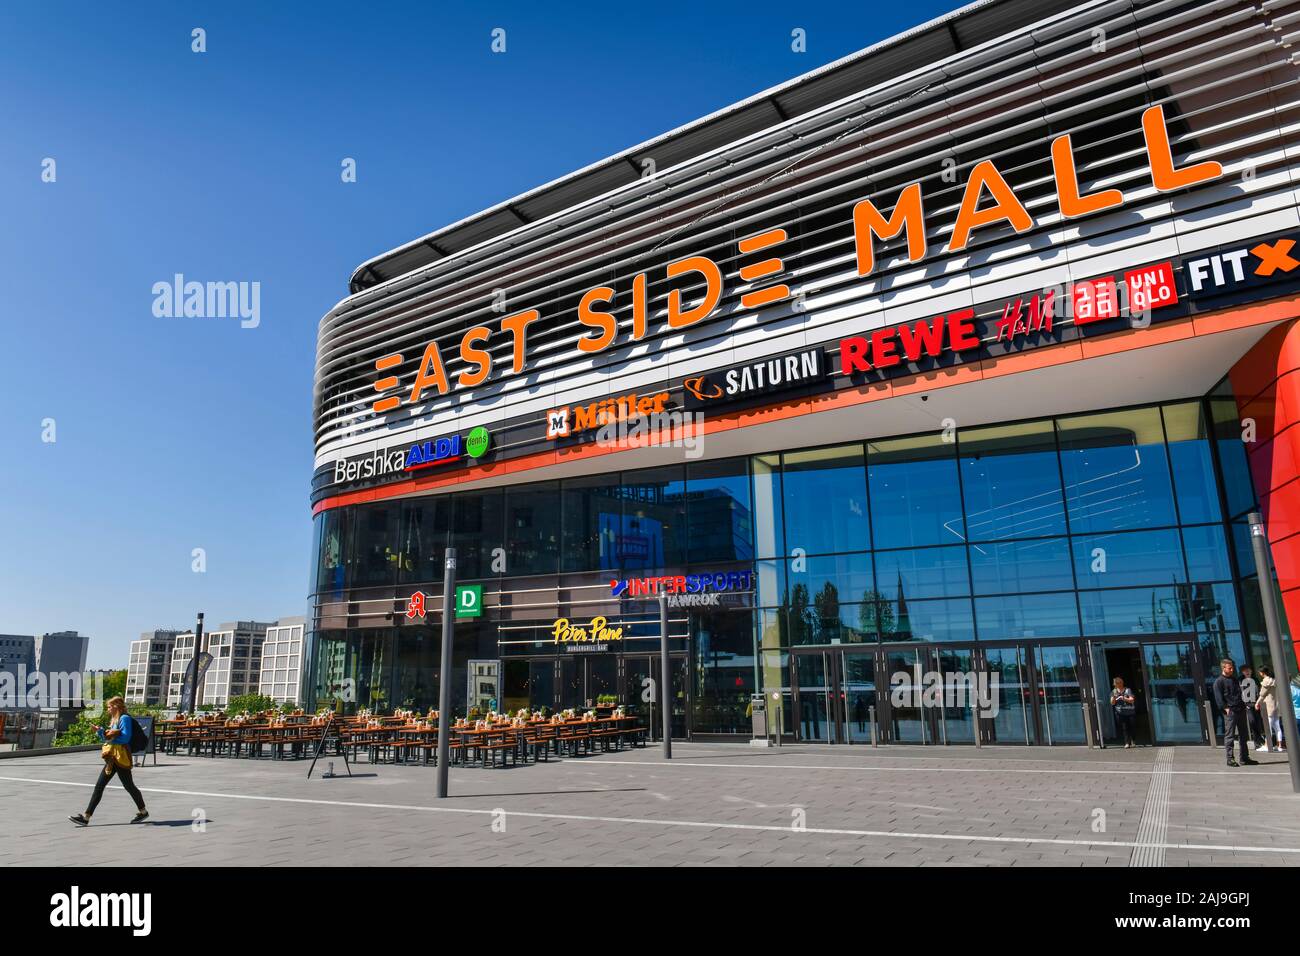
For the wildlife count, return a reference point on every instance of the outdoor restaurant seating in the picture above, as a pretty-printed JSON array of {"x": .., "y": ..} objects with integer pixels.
[{"x": 495, "y": 740}]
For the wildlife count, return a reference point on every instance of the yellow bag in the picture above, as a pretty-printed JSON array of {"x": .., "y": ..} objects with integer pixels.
[{"x": 118, "y": 753}]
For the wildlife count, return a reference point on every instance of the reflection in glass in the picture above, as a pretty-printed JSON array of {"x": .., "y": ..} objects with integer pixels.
[
  {"x": 859, "y": 695},
  {"x": 1238, "y": 487},
  {"x": 724, "y": 671},
  {"x": 905, "y": 671},
  {"x": 422, "y": 539},
  {"x": 1189, "y": 454},
  {"x": 1006, "y": 567},
  {"x": 533, "y": 528},
  {"x": 922, "y": 573},
  {"x": 812, "y": 684},
  {"x": 769, "y": 528},
  {"x": 1116, "y": 471},
  {"x": 1011, "y": 481},
  {"x": 1010, "y": 725},
  {"x": 652, "y": 533},
  {"x": 1027, "y": 615},
  {"x": 592, "y": 525},
  {"x": 956, "y": 710},
  {"x": 908, "y": 620},
  {"x": 1060, "y": 695},
  {"x": 477, "y": 531},
  {"x": 1171, "y": 696},
  {"x": 374, "y": 561},
  {"x": 825, "y": 497},
  {"x": 1207, "y": 553},
  {"x": 1128, "y": 558},
  {"x": 720, "y": 518},
  {"x": 915, "y": 497}
]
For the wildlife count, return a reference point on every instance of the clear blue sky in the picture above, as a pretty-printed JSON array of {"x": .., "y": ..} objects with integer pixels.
[{"x": 175, "y": 434}]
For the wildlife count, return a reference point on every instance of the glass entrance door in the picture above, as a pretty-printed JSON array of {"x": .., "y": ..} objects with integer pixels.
[
  {"x": 816, "y": 684},
  {"x": 1167, "y": 680},
  {"x": 636, "y": 693},
  {"x": 1174, "y": 688},
  {"x": 858, "y": 685}
]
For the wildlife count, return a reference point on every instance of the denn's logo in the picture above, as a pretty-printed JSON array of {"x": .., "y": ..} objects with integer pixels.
[
  {"x": 433, "y": 452},
  {"x": 73, "y": 909}
]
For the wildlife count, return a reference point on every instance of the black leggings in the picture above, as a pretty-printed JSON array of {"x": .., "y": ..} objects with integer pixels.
[{"x": 111, "y": 768}]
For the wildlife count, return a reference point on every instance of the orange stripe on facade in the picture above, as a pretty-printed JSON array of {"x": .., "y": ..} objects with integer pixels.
[{"x": 1047, "y": 356}]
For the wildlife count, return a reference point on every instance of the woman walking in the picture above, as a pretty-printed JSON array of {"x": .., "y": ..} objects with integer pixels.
[
  {"x": 1267, "y": 706},
  {"x": 116, "y": 754},
  {"x": 1124, "y": 706}
]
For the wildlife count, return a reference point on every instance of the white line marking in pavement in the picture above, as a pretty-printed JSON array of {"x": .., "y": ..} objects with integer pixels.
[
  {"x": 1155, "y": 814},
  {"x": 687, "y": 762},
  {"x": 697, "y": 824}
]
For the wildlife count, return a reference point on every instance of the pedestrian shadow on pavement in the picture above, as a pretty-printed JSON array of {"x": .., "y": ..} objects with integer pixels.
[
  {"x": 546, "y": 793},
  {"x": 187, "y": 822}
]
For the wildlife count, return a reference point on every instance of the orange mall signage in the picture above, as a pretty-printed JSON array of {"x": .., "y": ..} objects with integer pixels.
[{"x": 987, "y": 199}]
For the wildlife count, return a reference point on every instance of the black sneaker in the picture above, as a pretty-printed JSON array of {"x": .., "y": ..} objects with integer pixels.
[
  {"x": 140, "y": 817},
  {"x": 1233, "y": 763},
  {"x": 1249, "y": 762},
  {"x": 80, "y": 820}
]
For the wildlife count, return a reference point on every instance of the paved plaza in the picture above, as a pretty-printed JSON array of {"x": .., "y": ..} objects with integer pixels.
[{"x": 713, "y": 804}]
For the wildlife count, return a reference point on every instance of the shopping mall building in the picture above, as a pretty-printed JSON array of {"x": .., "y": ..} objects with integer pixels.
[{"x": 955, "y": 364}]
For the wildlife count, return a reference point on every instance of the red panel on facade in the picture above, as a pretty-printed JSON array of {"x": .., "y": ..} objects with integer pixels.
[{"x": 1266, "y": 386}]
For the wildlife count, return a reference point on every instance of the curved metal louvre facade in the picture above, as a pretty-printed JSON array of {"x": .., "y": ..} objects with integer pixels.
[{"x": 1223, "y": 72}]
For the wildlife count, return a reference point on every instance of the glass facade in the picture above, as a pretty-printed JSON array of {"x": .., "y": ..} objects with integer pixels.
[{"x": 1039, "y": 534}]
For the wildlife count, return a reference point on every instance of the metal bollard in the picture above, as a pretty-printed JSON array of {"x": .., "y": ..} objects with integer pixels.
[
  {"x": 1209, "y": 724},
  {"x": 871, "y": 712},
  {"x": 1087, "y": 726}
]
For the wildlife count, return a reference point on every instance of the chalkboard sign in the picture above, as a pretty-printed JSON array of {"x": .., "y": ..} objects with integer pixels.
[{"x": 146, "y": 725}]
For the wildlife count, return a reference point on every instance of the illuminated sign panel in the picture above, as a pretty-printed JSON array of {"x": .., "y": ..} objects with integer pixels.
[{"x": 761, "y": 377}]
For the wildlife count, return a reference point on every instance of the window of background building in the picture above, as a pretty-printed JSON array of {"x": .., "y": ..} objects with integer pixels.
[
  {"x": 719, "y": 512},
  {"x": 651, "y": 534}
]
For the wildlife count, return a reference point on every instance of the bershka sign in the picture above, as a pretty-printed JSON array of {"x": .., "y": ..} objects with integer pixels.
[
  {"x": 562, "y": 422},
  {"x": 754, "y": 378},
  {"x": 987, "y": 200},
  {"x": 407, "y": 458},
  {"x": 670, "y": 584}
]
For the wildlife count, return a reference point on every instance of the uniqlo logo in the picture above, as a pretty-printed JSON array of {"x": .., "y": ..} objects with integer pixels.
[
  {"x": 1095, "y": 300},
  {"x": 1151, "y": 287}
]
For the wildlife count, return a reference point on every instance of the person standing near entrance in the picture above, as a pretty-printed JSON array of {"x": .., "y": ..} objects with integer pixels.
[
  {"x": 1270, "y": 715},
  {"x": 116, "y": 755},
  {"x": 1124, "y": 706},
  {"x": 1227, "y": 697},
  {"x": 1250, "y": 697}
]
